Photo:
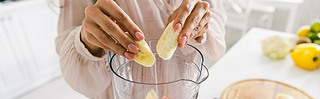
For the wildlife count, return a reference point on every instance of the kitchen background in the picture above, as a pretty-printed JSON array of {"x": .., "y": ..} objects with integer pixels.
[{"x": 29, "y": 65}]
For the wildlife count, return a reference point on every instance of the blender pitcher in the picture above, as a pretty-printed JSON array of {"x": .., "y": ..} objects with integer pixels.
[{"x": 177, "y": 78}]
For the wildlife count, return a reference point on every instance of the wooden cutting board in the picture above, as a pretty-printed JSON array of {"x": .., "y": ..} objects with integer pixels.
[{"x": 261, "y": 89}]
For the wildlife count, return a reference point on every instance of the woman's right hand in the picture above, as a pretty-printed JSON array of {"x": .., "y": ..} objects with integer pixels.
[{"x": 104, "y": 25}]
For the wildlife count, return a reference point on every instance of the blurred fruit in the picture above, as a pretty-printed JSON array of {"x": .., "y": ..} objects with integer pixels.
[
  {"x": 151, "y": 95},
  {"x": 301, "y": 40},
  {"x": 316, "y": 42},
  {"x": 315, "y": 27},
  {"x": 284, "y": 96},
  {"x": 276, "y": 47},
  {"x": 304, "y": 31},
  {"x": 306, "y": 56},
  {"x": 314, "y": 36}
]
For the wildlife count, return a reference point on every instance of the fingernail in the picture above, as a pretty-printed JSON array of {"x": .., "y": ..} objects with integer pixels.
[
  {"x": 183, "y": 41},
  {"x": 139, "y": 36},
  {"x": 133, "y": 48},
  {"x": 129, "y": 55},
  {"x": 177, "y": 26}
]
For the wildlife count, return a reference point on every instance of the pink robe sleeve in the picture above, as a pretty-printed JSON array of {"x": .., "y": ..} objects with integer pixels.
[
  {"x": 85, "y": 73},
  {"x": 215, "y": 46}
]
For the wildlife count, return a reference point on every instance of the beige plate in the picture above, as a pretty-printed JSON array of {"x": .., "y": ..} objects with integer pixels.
[{"x": 261, "y": 89}]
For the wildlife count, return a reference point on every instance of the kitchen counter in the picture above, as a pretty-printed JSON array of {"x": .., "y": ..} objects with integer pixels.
[
  {"x": 245, "y": 60},
  {"x": 56, "y": 89}
]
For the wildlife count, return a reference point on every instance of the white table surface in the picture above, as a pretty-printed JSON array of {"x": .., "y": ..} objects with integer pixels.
[
  {"x": 245, "y": 60},
  {"x": 56, "y": 89}
]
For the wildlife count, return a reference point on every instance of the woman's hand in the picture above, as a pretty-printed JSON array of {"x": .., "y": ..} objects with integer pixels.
[
  {"x": 193, "y": 18},
  {"x": 104, "y": 25}
]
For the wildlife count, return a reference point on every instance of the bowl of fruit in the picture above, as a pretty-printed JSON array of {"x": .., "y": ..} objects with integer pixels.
[{"x": 307, "y": 51}]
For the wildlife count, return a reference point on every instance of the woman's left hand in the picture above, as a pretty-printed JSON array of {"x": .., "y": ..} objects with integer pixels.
[{"x": 193, "y": 18}]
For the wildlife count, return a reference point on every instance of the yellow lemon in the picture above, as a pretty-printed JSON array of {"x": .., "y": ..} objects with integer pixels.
[
  {"x": 315, "y": 27},
  {"x": 304, "y": 31}
]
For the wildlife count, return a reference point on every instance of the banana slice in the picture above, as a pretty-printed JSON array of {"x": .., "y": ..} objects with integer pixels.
[
  {"x": 144, "y": 56},
  {"x": 151, "y": 95},
  {"x": 168, "y": 42}
]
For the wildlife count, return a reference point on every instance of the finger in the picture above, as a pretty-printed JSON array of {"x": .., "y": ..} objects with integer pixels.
[
  {"x": 202, "y": 32},
  {"x": 127, "y": 55},
  {"x": 199, "y": 39},
  {"x": 116, "y": 48},
  {"x": 94, "y": 50},
  {"x": 111, "y": 28},
  {"x": 122, "y": 18},
  {"x": 204, "y": 21},
  {"x": 172, "y": 16},
  {"x": 122, "y": 28},
  {"x": 192, "y": 21},
  {"x": 108, "y": 42},
  {"x": 97, "y": 33},
  {"x": 184, "y": 11}
]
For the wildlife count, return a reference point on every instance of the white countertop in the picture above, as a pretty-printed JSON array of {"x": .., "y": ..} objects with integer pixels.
[
  {"x": 245, "y": 60},
  {"x": 56, "y": 89}
]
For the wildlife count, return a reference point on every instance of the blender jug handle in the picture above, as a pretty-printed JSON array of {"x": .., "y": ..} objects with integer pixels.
[{"x": 206, "y": 75}]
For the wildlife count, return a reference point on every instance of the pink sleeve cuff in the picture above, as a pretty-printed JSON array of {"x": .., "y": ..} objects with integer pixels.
[{"x": 82, "y": 50}]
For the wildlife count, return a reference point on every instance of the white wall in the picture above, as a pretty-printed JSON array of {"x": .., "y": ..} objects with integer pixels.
[
  {"x": 309, "y": 11},
  {"x": 27, "y": 54}
]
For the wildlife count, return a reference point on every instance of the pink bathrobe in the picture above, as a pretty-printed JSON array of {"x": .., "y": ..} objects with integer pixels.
[{"x": 86, "y": 73}]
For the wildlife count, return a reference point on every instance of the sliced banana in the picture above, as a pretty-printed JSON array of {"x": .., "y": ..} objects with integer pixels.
[
  {"x": 168, "y": 42},
  {"x": 144, "y": 56},
  {"x": 151, "y": 95}
]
